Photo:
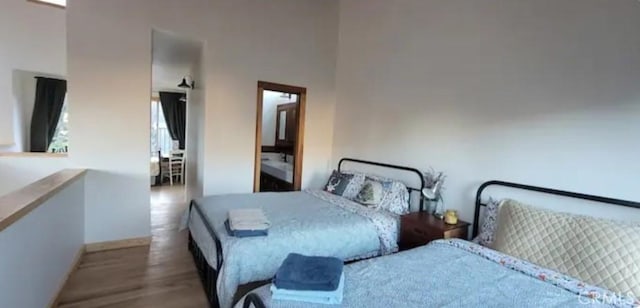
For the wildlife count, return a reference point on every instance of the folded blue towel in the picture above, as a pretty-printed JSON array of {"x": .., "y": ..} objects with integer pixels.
[
  {"x": 245, "y": 233},
  {"x": 299, "y": 272},
  {"x": 319, "y": 297}
]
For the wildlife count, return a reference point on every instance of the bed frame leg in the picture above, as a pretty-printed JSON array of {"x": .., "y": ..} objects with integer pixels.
[
  {"x": 208, "y": 276},
  {"x": 253, "y": 299}
]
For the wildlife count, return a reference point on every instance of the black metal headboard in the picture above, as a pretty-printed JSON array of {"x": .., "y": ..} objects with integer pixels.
[
  {"x": 408, "y": 169},
  {"x": 551, "y": 191}
]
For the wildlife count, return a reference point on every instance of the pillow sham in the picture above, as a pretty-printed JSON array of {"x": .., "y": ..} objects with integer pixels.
[
  {"x": 338, "y": 182},
  {"x": 489, "y": 223},
  {"x": 370, "y": 194},
  {"x": 395, "y": 196},
  {"x": 597, "y": 251},
  {"x": 346, "y": 185}
]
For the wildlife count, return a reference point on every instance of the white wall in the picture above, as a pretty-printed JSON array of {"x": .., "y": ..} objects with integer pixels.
[
  {"x": 110, "y": 130},
  {"x": 285, "y": 41},
  {"x": 270, "y": 102},
  {"x": 16, "y": 172},
  {"x": 38, "y": 250},
  {"x": 110, "y": 43},
  {"x": 24, "y": 88},
  {"x": 195, "y": 133},
  {"x": 46, "y": 31},
  {"x": 33, "y": 40},
  {"x": 543, "y": 92}
]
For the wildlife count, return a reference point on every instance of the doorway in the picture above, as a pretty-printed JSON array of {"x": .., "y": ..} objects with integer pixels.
[
  {"x": 279, "y": 137},
  {"x": 176, "y": 111}
]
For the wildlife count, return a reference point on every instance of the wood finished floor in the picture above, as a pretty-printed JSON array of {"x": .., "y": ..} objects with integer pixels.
[{"x": 161, "y": 275}]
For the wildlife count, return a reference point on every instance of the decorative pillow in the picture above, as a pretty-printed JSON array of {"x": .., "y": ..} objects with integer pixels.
[
  {"x": 395, "y": 196},
  {"x": 489, "y": 223},
  {"x": 597, "y": 251},
  {"x": 355, "y": 185},
  {"x": 338, "y": 183},
  {"x": 370, "y": 194}
]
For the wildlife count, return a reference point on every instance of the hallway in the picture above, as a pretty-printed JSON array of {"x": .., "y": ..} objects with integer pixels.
[{"x": 162, "y": 275}]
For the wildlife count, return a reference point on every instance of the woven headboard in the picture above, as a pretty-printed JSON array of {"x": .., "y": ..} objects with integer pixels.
[
  {"x": 601, "y": 252},
  {"x": 551, "y": 191}
]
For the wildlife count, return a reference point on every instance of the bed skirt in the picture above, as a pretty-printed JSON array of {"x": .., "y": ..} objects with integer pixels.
[{"x": 207, "y": 274}]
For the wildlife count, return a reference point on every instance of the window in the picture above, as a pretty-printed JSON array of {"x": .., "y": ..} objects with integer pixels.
[
  {"x": 60, "y": 141},
  {"x": 160, "y": 137},
  {"x": 56, "y": 3}
]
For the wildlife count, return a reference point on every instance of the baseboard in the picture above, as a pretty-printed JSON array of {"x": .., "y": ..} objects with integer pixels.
[
  {"x": 76, "y": 261},
  {"x": 119, "y": 244}
]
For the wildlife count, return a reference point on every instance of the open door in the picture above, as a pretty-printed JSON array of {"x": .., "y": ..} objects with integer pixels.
[{"x": 280, "y": 119}]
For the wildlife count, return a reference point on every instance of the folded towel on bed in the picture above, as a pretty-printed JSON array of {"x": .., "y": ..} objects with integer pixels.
[
  {"x": 299, "y": 272},
  {"x": 320, "y": 297},
  {"x": 248, "y": 219},
  {"x": 244, "y": 233}
]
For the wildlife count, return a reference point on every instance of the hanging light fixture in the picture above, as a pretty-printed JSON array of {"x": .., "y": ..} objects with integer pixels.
[{"x": 184, "y": 84}]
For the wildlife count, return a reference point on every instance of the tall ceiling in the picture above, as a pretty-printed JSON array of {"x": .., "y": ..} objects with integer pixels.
[{"x": 173, "y": 58}]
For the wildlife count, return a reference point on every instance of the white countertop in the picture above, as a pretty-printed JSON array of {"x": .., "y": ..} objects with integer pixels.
[{"x": 278, "y": 169}]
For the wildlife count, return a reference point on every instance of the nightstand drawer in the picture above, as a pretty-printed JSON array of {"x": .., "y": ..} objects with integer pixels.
[
  {"x": 418, "y": 229},
  {"x": 413, "y": 236}
]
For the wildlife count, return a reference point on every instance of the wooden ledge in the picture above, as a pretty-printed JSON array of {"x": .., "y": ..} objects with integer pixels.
[
  {"x": 19, "y": 203},
  {"x": 33, "y": 154}
]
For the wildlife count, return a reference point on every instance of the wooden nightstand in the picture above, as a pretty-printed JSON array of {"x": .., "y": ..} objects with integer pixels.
[{"x": 417, "y": 229}]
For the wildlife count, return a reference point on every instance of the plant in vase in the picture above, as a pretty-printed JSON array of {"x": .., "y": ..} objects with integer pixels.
[{"x": 432, "y": 192}]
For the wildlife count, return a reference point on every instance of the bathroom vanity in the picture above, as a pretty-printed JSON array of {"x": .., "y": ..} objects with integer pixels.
[{"x": 276, "y": 175}]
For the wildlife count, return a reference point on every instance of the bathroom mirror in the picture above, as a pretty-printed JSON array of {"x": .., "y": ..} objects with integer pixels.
[
  {"x": 282, "y": 125},
  {"x": 286, "y": 125}
]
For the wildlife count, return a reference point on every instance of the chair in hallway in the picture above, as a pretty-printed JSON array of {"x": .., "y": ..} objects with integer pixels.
[{"x": 176, "y": 166}]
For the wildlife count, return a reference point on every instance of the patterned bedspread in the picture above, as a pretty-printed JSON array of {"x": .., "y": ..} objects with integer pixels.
[
  {"x": 456, "y": 273},
  {"x": 310, "y": 222}
]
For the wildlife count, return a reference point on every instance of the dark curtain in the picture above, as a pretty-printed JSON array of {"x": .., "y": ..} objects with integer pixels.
[
  {"x": 47, "y": 107},
  {"x": 175, "y": 114}
]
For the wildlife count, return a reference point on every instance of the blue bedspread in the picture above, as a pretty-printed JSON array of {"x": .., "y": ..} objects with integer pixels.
[
  {"x": 455, "y": 273},
  {"x": 301, "y": 222}
]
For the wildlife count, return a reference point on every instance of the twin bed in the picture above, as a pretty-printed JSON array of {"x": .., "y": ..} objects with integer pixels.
[{"x": 444, "y": 273}]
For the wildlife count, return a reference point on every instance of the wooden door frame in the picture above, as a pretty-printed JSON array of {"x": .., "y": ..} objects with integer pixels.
[{"x": 299, "y": 144}]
